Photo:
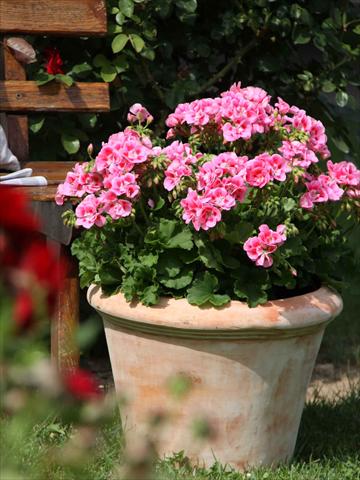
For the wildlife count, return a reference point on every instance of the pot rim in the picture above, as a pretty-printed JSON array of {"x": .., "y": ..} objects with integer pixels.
[{"x": 289, "y": 317}]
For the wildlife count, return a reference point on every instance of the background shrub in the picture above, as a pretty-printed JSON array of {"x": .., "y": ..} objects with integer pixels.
[{"x": 162, "y": 52}]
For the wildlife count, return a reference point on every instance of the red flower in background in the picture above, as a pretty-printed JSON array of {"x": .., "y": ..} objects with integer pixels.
[
  {"x": 53, "y": 61},
  {"x": 30, "y": 270},
  {"x": 82, "y": 385},
  {"x": 15, "y": 214},
  {"x": 24, "y": 310}
]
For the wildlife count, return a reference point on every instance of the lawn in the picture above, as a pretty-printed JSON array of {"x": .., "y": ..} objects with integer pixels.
[{"x": 328, "y": 448}]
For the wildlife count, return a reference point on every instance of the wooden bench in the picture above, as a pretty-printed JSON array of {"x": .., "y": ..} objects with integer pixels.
[{"x": 18, "y": 97}]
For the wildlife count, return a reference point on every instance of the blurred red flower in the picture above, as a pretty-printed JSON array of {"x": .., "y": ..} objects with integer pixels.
[
  {"x": 24, "y": 310},
  {"x": 14, "y": 211},
  {"x": 82, "y": 385},
  {"x": 53, "y": 61},
  {"x": 29, "y": 268}
]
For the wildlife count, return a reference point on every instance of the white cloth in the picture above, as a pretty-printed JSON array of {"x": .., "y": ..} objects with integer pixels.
[
  {"x": 8, "y": 161},
  {"x": 23, "y": 177}
]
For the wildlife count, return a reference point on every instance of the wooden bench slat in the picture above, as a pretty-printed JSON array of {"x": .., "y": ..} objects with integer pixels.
[
  {"x": 57, "y": 17},
  {"x": 55, "y": 172},
  {"x": 53, "y": 97}
]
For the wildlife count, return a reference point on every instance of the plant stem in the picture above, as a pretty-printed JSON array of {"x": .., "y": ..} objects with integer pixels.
[
  {"x": 143, "y": 212},
  {"x": 138, "y": 229},
  {"x": 232, "y": 63}
]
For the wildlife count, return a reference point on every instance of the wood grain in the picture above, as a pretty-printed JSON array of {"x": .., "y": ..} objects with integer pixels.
[
  {"x": 53, "y": 97},
  {"x": 17, "y": 125},
  {"x": 54, "y": 172},
  {"x": 64, "y": 352},
  {"x": 58, "y": 17}
]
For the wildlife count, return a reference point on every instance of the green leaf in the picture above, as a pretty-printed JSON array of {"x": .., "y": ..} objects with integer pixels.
[
  {"x": 240, "y": 233},
  {"x": 169, "y": 266},
  {"x": 120, "y": 19},
  {"x": 36, "y": 124},
  {"x": 209, "y": 255},
  {"x": 170, "y": 234},
  {"x": 88, "y": 120},
  {"x": 288, "y": 204},
  {"x": 300, "y": 14},
  {"x": 110, "y": 275},
  {"x": 182, "y": 280},
  {"x": 65, "y": 79},
  {"x": 81, "y": 68},
  {"x": 342, "y": 98},
  {"x": 149, "y": 295},
  {"x": 301, "y": 37},
  {"x": 108, "y": 73},
  {"x": 202, "y": 289},
  {"x": 148, "y": 53},
  {"x": 320, "y": 41},
  {"x": 149, "y": 259},
  {"x": 253, "y": 294},
  {"x": 101, "y": 61},
  {"x": 113, "y": 29},
  {"x": 42, "y": 78},
  {"x": 251, "y": 284},
  {"x": 159, "y": 204},
  {"x": 181, "y": 240},
  {"x": 70, "y": 143},
  {"x": 86, "y": 278},
  {"x": 219, "y": 300},
  {"x": 188, "y": 6},
  {"x": 357, "y": 30},
  {"x": 120, "y": 63},
  {"x": 119, "y": 42},
  {"x": 128, "y": 288},
  {"x": 137, "y": 42},
  {"x": 340, "y": 144},
  {"x": 293, "y": 246},
  {"x": 328, "y": 86},
  {"x": 126, "y": 7}
]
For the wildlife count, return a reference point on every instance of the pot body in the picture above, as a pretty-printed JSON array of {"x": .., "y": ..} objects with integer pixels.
[{"x": 248, "y": 371}]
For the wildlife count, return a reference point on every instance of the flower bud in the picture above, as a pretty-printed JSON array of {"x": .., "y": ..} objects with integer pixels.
[{"x": 90, "y": 149}]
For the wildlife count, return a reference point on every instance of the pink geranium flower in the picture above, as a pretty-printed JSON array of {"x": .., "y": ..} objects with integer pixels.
[
  {"x": 138, "y": 113},
  {"x": 260, "y": 248},
  {"x": 231, "y": 134},
  {"x": 344, "y": 173},
  {"x": 258, "y": 171},
  {"x": 87, "y": 213}
]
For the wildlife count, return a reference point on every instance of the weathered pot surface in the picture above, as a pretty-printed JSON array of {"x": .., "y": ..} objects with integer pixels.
[{"x": 249, "y": 370}]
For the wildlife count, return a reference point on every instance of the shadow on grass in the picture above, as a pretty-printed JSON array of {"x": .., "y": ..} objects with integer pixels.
[{"x": 330, "y": 428}]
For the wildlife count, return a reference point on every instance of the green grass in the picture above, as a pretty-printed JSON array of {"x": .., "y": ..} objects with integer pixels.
[{"x": 328, "y": 448}]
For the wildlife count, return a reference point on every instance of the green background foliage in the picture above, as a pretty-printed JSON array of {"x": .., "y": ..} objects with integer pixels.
[{"x": 162, "y": 52}]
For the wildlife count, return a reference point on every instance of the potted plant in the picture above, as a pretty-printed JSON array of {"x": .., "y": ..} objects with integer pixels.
[{"x": 212, "y": 255}]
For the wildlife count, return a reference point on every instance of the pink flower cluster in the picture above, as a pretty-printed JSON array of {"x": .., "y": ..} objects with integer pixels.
[
  {"x": 260, "y": 248},
  {"x": 298, "y": 154},
  {"x": 237, "y": 113},
  {"x": 110, "y": 185},
  {"x": 328, "y": 187},
  {"x": 240, "y": 113},
  {"x": 223, "y": 181},
  {"x": 220, "y": 184},
  {"x": 264, "y": 168},
  {"x": 181, "y": 158}
]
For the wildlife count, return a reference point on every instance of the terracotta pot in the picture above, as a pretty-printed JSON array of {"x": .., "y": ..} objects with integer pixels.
[{"x": 249, "y": 370}]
